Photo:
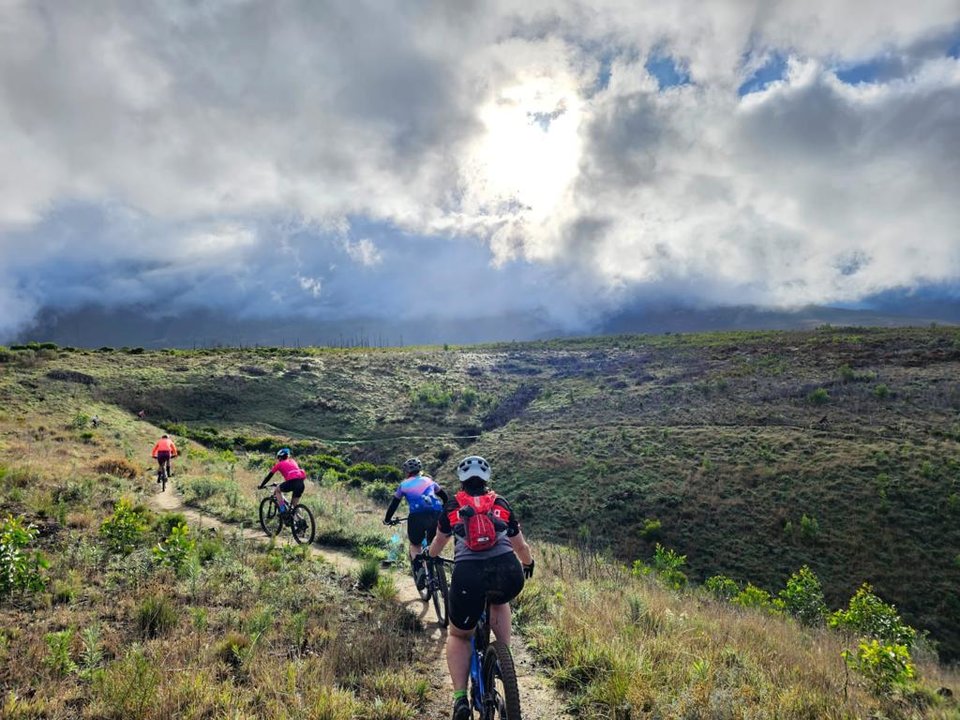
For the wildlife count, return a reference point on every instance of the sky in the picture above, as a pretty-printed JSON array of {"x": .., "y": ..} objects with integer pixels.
[{"x": 461, "y": 160}]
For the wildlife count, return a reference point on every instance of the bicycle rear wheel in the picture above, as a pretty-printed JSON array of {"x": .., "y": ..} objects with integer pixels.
[
  {"x": 303, "y": 526},
  {"x": 502, "y": 697},
  {"x": 270, "y": 519},
  {"x": 441, "y": 596}
]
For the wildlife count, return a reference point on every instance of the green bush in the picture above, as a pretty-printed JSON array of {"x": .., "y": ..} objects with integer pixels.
[
  {"x": 803, "y": 597},
  {"x": 380, "y": 492},
  {"x": 668, "y": 564},
  {"x": 867, "y": 615},
  {"x": 432, "y": 395},
  {"x": 178, "y": 549},
  {"x": 722, "y": 587},
  {"x": 753, "y": 597},
  {"x": 127, "y": 688},
  {"x": 881, "y": 392},
  {"x": 369, "y": 574},
  {"x": 20, "y": 570},
  {"x": 155, "y": 616},
  {"x": 233, "y": 649},
  {"x": 651, "y": 529},
  {"x": 124, "y": 529},
  {"x": 819, "y": 396},
  {"x": 885, "y": 666},
  {"x": 58, "y": 652}
]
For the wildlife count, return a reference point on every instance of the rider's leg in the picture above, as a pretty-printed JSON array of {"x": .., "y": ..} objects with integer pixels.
[
  {"x": 458, "y": 656},
  {"x": 500, "y": 622}
]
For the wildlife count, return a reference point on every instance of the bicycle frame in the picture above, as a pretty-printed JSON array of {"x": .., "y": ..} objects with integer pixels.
[{"x": 478, "y": 644}]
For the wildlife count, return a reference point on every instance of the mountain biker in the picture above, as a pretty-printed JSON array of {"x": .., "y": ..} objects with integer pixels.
[
  {"x": 293, "y": 478},
  {"x": 426, "y": 500},
  {"x": 495, "y": 572},
  {"x": 163, "y": 451}
]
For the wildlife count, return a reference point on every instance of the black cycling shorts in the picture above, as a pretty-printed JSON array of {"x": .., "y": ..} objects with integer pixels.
[
  {"x": 499, "y": 578},
  {"x": 420, "y": 523},
  {"x": 294, "y": 486}
]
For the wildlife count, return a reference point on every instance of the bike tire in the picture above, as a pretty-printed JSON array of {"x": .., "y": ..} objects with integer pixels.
[
  {"x": 303, "y": 533},
  {"x": 270, "y": 519},
  {"x": 163, "y": 481},
  {"x": 502, "y": 697},
  {"x": 441, "y": 594}
]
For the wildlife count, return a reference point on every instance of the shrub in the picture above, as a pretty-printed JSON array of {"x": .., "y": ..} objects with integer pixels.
[
  {"x": 651, "y": 529},
  {"x": 379, "y": 492},
  {"x": 118, "y": 467},
  {"x": 369, "y": 574},
  {"x": 72, "y": 376},
  {"x": 881, "y": 392},
  {"x": 819, "y": 396},
  {"x": 79, "y": 421},
  {"x": 869, "y": 616},
  {"x": 178, "y": 549},
  {"x": 128, "y": 687},
  {"x": 20, "y": 570},
  {"x": 667, "y": 564},
  {"x": 803, "y": 597},
  {"x": 233, "y": 649},
  {"x": 809, "y": 527},
  {"x": 753, "y": 597},
  {"x": 885, "y": 666},
  {"x": 155, "y": 616},
  {"x": 722, "y": 587},
  {"x": 58, "y": 652},
  {"x": 431, "y": 395},
  {"x": 124, "y": 529}
]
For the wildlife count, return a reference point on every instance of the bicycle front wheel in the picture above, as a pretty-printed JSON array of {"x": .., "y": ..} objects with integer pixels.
[
  {"x": 441, "y": 596},
  {"x": 270, "y": 519},
  {"x": 502, "y": 697},
  {"x": 303, "y": 526}
]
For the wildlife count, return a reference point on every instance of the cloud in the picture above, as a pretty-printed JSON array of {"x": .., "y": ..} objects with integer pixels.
[{"x": 235, "y": 154}]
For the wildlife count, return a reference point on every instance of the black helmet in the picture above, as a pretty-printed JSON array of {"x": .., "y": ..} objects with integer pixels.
[{"x": 412, "y": 466}]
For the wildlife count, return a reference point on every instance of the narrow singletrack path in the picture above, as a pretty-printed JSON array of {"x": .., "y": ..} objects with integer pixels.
[{"x": 538, "y": 699}]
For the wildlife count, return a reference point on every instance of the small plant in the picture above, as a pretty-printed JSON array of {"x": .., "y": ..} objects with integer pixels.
[
  {"x": 667, "y": 564},
  {"x": 124, "y": 529},
  {"x": 881, "y": 392},
  {"x": 819, "y": 396},
  {"x": 20, "y": 570},
  {"x": 868, "y": 615},
  {"x": 118, "y": 467},
  {"x": 803, "y": 597},
  {"x": 885, "y": 666},
  {"x": 79, "y": 421},
  {"x": 177, "y": 550},
  {"x": 809, "y": 527},
  {"x": 379, "y": 492},
  {"x": 91, "y": 657},
  {"x": 722, "y": 587},
  {"x": 753, "y": 597},
  {"x": 651, "y": 529},
  {"x": 155, "y": 616},
  {"x": 369, "y": 574},
  {"x": 58, "y": 652},
  {"x": 233, "y": 649}
]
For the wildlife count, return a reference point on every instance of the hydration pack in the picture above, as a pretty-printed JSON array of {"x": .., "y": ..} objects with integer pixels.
[{"x": 476, "y": 521}]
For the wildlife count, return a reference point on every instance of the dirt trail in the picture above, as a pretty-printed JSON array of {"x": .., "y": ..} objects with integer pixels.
[{"x": 538, "y": 699}]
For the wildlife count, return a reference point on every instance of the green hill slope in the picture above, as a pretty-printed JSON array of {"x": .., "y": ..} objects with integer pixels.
[{"x": 751, "y": 453}]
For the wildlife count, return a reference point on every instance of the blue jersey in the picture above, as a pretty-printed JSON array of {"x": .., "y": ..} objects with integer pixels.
[{"x": 421, "y": 494}]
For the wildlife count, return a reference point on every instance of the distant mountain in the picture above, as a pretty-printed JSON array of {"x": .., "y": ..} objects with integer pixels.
[{"x": 145, "y": 327}]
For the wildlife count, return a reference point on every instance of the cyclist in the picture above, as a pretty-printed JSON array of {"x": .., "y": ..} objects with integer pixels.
[
  {"x": 293, "y": 478},
  {"x": 488, "y": 551},
  {"x": 163, "y": 451},
  {"x": 426, "y": 500}
]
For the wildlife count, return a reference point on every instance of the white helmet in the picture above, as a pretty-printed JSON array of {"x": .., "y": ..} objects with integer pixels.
[{"x": 473, "y": 466}]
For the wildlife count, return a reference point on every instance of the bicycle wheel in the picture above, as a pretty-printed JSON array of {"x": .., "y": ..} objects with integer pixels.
[
  {"x": 303, "y": 526},
  {"x": 270, "y": 519},
  {"x": 502, "y": 697},
  {"x": 163, "y": 481},
  {"x": 441, "y": 597}
]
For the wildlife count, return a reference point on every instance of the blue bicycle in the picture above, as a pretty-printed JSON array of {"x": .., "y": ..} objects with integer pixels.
[
  {"x": 434, "y": 581},
  {"x": 493, "y": 677}
]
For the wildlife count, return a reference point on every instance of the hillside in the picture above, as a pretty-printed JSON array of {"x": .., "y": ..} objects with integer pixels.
[
  {"x": 750, "y": 453},
  {"x": 209, "y": 635}
]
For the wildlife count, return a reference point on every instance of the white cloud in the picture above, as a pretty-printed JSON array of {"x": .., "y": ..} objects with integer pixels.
[{"x": 207, "y": 136}]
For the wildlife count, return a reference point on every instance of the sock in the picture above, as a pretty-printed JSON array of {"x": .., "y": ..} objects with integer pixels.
[{"x": 457, "y": 694}]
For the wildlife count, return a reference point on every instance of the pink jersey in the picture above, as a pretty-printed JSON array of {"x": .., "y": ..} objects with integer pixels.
[{"x": 289, "y": 469}]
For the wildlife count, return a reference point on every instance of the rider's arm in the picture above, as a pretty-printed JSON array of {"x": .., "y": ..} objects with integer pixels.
[
  {"x": 444, "y": 530},
  {"x": 440, "y": 541},
  {"x": 263, "y": 483},
  {"x": 394, "y": 504},
  {"x": 441, "y": 493},
  {"x": 521, "y": 548}
]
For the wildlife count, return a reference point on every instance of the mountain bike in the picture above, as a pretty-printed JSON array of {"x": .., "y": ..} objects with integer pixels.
[
  {"x": 162, "y": 478},
  {"x": 434, "y": 580},
  {"x": 493, "y": 676},
  {"x": 298, "y": 518}
]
